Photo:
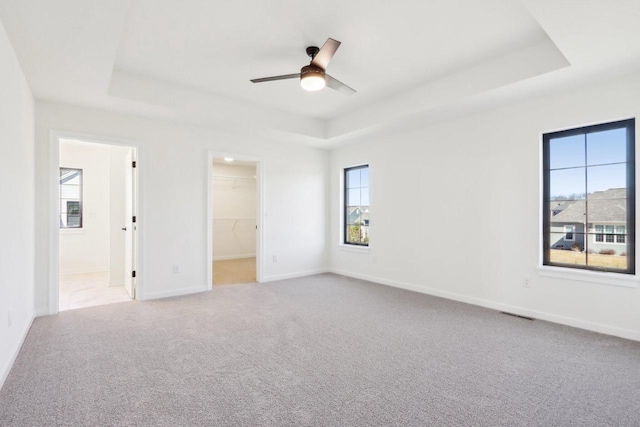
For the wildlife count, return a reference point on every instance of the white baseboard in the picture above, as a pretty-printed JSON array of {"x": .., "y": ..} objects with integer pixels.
[
  {"x": 112, "y": 284},
  {"x": 175, "y": 293},
  {"x": 275, "y": 277},
  {"x": 14, "y": 356},
  {"x": 554, "y": 318},
  {"x": 227, "y": 257}
]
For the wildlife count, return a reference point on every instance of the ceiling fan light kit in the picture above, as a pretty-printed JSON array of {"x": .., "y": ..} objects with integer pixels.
[{"x": 313, "y": 77}]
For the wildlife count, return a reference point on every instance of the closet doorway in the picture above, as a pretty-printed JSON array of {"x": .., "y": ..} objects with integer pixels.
[{"x": 234, "y": 203}]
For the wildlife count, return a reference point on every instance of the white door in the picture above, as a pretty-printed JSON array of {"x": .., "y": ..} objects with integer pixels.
[{"x": 130, "y": 231}]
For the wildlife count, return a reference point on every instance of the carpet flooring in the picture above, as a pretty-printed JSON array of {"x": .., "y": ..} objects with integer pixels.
[{"x": 323, "y": 350}]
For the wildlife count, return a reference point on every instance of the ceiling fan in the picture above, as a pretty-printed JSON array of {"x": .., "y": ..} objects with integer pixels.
[{"x": 313, "y": 76}]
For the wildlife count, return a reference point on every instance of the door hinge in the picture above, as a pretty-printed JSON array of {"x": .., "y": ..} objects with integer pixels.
[
  {"x": 133, "y": 164},
  {"x": 133, "y": 273},
  {"x": 133, "y": 218}
]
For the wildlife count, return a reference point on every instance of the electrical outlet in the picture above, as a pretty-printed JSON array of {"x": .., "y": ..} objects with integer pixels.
[
  {"x": 526, "y": 282},
  {"x": 9, "y": 320},
  {"x": 176, "y": 268},
  {"x": 275, "y": 258}
]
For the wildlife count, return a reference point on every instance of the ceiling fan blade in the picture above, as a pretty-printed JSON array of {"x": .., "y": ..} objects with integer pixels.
[
  {"x": 338, "y": 85},
  {"x": 271, "y": 79},
  {"x": 325, "y": 53}
]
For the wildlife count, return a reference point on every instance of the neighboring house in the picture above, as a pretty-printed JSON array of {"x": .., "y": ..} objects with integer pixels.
[
  {"x": 605, "y": 225},
  {"x": 359, "y": 215}
]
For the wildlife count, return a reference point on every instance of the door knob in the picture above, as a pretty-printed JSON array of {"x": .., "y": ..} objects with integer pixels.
[{"x": 124, "y": 228}]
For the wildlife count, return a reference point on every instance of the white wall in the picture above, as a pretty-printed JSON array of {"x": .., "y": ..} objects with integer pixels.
[
  {"x": 443, "y": 199},
  {"x": 118, "y": 168},
  {"x": 234, "y": 211},
  {"x": 173, "y": 196},
  {"x": 17, "y": 213},
  {"x": 86, "y": 250}
]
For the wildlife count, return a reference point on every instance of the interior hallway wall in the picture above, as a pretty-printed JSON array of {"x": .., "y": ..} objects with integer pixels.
[{"x": 17, "y": 251}]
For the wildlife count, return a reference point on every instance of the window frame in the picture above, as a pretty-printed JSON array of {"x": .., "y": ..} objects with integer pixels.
[
  {"x": 80, "y": 201},
  {"x": 345, "y": 220},
  {"x": 629, "y": 125}
]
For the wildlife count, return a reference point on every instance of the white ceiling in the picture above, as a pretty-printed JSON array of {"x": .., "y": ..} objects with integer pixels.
[
  {"x": 191, "y": 61},
  {"x": 218, "y": 46}
]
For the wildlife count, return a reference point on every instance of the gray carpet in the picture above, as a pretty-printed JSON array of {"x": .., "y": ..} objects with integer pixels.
[{"x": 319, "y": 351}]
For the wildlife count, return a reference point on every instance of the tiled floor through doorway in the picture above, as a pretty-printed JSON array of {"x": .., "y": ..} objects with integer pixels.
[{"x": 88, "y": 290}]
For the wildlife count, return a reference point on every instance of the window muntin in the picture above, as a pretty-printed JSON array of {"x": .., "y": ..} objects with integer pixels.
[
  {"x": 356, "y": 205},
  {"x": 70, "y": 196},
  {"x": 589, "y": 198}
]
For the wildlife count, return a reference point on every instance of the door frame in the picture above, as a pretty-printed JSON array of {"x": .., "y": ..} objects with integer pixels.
[
  {"x": 259, "y": 210},
  {"x": 54, "y": 227}
]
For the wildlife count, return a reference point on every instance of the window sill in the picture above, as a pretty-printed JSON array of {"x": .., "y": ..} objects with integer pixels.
[
  {"x": 616, "y": 279},
  {"x": 354, "y": 248},
  {"x": 72, "y": 231}
]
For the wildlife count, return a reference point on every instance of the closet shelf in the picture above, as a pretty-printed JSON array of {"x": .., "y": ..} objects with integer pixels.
[{"x": 236, "y": 181}]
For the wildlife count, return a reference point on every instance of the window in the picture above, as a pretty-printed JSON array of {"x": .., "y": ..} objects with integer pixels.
[
  {"x": 599, "y": 233},
  {"x": 589, "y": 197},
  {"x": 569, "y": 229},
  {"x": 608, "y": 229},
  {"x": 70, "y": 195},
  {"x": 356, "y": 204}
]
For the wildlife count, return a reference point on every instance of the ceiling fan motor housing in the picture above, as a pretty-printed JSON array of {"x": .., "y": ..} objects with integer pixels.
[{"x": 311, "y": 70}]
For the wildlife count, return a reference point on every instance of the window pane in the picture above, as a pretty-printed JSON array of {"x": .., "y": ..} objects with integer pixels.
[
  {"x": 567, "y": 237},
  {"x": 567, "y": 152},
  {"x": 563, "y": 252},
  {"x": 353, "y": 197},
  {"x": 608, "y": 260},
  {"x": 604, "y": 179},
  {"x": 567, "y": 184},
  {"x": 364, "y": 177},
  {"x": 364, "y": 196},
  {"x": 69, "y": 192},
  {"x": 356, "y": 213},
  {"x": 607, "y": 147},
  {"x": 607, "y": 211},
  {"x": 70, "y": 198},
  {"x": 608, "y": 242},
  {"x": 358, "y": 229},
  {"x": 352, "y": 215},
  {"x": 353, "y": 178}
]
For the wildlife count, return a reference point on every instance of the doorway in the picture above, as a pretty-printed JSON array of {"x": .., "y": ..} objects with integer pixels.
[
  {"x": 234, "y": 200},
  {"x": 96, "y": 222}
]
